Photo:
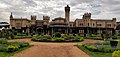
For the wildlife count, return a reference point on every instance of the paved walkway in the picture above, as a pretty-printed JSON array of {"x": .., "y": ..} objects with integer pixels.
[{"x": 48, "y": 49}]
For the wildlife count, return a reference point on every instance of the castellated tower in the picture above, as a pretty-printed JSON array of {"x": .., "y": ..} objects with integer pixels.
[
  {"x": 33, "y": 20},
  {"x": 46, "y": 20},
  {"x": 87, "y": 16},
  {"x": 67, "y": 14},
  {"x": 33, "y": 17}
]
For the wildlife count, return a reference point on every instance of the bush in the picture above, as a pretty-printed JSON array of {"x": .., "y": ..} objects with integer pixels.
[
  {"x": 77, "y": 38},
  {"x": 47, "y": 36},
  {"x": 25, "y": 44},
  {"x": 92, "y": 48},
  {"x": 57, "y": 34},
  {"x": 67, "y": 37},
  {"x": 20, "y": 44},
  {"x": 12, "y": 48},
  {"x": 7, "y": 33},
  {"x": 118, "y": 37},
  {"x": 43, "y": 39},
  {"x": 95, "y": 38},
  {"x": 116, "y": 54},
  {"x": 3, "y": 41},
  {"x": 3, "y": 48},
  {"x": 20, "y": 34},
  {"x": 58, "y": 39},
  {"x": 96, "y": 35},
  {"x": 21, "y": 37}
]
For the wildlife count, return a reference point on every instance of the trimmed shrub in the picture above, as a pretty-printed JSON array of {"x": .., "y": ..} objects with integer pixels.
[
  {"x": 25, "y": 44},
  {"x": 21, "y": 34},
  {"x": 77, "y": 38},
  {"x": 95, "y": 38},
  {"x": 67, "y": 37},
  {"x": 43, "y": 39},
  {"x": 21, "y": 37},
  {"x": 3, "y": 41},
  {"x": 57, "y": 34},
  {"x": 58, "y": 39},
  {"x": 116, "y": 54},
  {"x": 47, "y": 36},
  {"x": 96, "y": 35}
]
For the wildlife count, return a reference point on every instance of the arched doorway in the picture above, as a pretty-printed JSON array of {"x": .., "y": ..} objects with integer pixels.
[{"x": 39, "y": 30}]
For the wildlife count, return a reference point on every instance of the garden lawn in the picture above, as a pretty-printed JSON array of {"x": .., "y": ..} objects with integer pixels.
[
  {"x": 94, "y": 54},
  {"x": 7, "y": 54}
]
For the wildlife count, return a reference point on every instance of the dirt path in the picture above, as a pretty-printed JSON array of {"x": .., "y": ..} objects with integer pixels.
[{"x": 47, "y": 49}]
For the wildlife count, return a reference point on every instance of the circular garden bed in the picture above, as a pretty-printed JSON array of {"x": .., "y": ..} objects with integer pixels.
[{"x": 57, "y": 38}]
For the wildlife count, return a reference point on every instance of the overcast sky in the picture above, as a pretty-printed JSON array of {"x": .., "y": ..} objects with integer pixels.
[{"x": 100, "y": 9}]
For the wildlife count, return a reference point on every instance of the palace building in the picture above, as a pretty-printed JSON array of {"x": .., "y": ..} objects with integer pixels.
[{"x": 63, "y": 25}]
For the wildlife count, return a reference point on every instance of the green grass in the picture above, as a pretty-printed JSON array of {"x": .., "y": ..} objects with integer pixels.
[
  {"x": 6, "y": 54},
  {"x": 94, "y": 54}
]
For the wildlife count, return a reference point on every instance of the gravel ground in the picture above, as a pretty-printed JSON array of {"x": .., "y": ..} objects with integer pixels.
[{"x": 49, "y": 49}]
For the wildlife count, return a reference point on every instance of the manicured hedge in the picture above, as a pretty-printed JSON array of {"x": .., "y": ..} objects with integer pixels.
[
  {"x": 21, "y": 37},
  {"x": 94, "y": 38},
  {"x": 57, "y": 39}
]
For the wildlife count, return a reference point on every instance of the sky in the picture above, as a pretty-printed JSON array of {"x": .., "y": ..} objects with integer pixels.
[{"x": 100, "y": 9}]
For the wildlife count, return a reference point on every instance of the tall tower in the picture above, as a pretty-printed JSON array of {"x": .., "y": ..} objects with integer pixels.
[
  {"x": 87, "y": 16},
  {"x": 11, "y": 17},
  {"x": 67, "y": 13}
]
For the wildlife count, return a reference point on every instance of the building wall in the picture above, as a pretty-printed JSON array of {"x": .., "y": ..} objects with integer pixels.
[{"x": 19, "y": 23}]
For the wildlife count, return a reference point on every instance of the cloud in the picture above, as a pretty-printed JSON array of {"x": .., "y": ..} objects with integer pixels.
[{"x": 100, "y": 9}]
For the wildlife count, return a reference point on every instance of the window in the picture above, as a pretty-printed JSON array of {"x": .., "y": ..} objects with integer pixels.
[
  {"x": 108, "y": 24},
  {"x": 82, "y": 24},
  {"x": 93, "y": 24},
  {"x": 71, "y": 25},
  {"x": 114, "y": 25},
  {"x": 99, "y": 24},
  {"x": 18, "y": 26}
]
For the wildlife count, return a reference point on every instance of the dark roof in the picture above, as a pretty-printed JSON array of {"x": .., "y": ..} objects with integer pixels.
[
  {"x": 4, "y": 23},
  {"x": 59, "y": 18}
]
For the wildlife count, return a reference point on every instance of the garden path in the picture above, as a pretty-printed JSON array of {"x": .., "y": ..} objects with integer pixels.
[{"x": 49, "y": 49}]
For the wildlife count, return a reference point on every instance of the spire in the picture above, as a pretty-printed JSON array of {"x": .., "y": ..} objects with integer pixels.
[
  {"x": 67, "y": 5},
  {"x": 11, "y": 17}
]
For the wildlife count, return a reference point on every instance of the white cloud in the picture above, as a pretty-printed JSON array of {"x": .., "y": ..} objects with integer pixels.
[{"x": 100, "y": 9}]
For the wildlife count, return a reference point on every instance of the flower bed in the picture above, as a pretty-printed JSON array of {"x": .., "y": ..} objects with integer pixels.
[
  {"x": 92, "y": 53},
  {"x": 21, "y": 37},
  {"x": 11, "y": 46},
  {"x": 93, "y": 36},
  {"x": 100, "y": 47},
  {"x": 57, "y": 39}
]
